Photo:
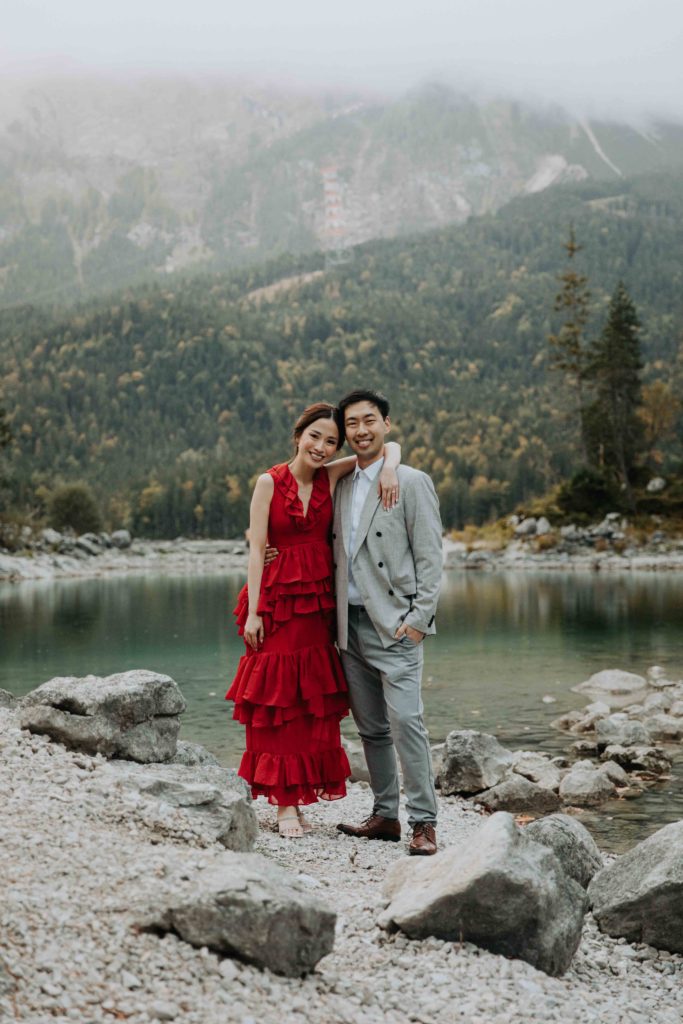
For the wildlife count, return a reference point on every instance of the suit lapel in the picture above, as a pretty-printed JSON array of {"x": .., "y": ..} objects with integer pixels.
[
  {"x": 346, "y": 488},
  {"x": 368, "y": 511}
]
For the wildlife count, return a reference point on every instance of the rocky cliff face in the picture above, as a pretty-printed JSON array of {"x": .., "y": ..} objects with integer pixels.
[{"x": 101, "y": 182}]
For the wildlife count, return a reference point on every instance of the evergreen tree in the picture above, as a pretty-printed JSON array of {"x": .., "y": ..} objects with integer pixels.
[
  {"x": 5, "y": 432},
  {"x": 569, "y": 349},
  {"x": 615, "y": 427},
  {"x": 75, "y": 506}
]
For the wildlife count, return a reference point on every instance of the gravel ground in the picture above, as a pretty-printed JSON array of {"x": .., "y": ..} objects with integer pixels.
[{"x": 77, "y": 859}]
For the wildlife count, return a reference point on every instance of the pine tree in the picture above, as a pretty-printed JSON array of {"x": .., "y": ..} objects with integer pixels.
[
  {"x": 615, "y": 427},
  {"x": 5, "y": 432},
  {"x": 569, "y": 348}
]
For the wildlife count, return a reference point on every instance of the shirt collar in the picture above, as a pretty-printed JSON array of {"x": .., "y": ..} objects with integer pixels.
[{"x": 370, "y": 472}]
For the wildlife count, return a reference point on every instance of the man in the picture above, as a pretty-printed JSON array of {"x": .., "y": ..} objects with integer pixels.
[{"x": 388, "y": 567}]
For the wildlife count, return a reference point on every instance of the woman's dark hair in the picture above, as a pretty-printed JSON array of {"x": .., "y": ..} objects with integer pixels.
[
  {"x": 318, "y": 411},
  {"x": 365, "y": 395}
]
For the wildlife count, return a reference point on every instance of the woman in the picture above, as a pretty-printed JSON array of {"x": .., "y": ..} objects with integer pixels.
[{"x": 290, "y": 690}]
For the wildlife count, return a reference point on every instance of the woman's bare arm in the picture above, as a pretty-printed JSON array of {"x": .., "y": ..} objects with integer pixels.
[
  {"x": 258, "y": 536},
  {"x": 388, "y": 480}
]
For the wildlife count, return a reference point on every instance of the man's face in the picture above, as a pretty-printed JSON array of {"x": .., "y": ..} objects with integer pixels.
[{"x": 365, "y": 431}]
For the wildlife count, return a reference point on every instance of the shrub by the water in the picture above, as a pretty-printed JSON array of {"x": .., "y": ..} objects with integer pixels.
[
  {"x": 588, "y": 494},
  {"x": 75, "y": 506}
]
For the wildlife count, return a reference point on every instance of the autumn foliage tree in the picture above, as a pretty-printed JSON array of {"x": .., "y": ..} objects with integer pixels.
[{"x": 659, "y": 413}]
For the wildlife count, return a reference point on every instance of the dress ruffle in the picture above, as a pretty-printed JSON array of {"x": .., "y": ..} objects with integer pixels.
[
  {"x": 272, "y": 688},
  {"x": 287, "y": 485},
  {"x": 297, "y": 582},
  {"x": 293, "y": 779}
]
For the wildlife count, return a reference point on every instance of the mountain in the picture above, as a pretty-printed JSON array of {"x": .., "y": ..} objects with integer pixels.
[
  {"x": 169, "y": 397},
  {"x": 104, "y": 183}
]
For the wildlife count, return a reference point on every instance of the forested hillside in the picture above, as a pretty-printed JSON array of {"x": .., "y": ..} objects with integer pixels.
[{"x": 169, "y": 399}]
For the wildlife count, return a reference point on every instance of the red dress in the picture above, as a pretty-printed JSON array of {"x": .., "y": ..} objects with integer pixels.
[{"x": 291, "y": 693}]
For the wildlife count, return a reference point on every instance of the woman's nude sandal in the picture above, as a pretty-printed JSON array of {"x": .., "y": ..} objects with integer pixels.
[
  {"x": 289, "y": 826},
  {"x": 306, "y": 825}
]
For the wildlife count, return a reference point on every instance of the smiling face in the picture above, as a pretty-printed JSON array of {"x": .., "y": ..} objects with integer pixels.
[
  {"x": 318, "y": 442},
  {"x": 365, "y": 431}
]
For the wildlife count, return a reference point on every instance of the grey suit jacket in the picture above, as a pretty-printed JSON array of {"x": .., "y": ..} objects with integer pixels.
[{"x": 397, "y": 561}]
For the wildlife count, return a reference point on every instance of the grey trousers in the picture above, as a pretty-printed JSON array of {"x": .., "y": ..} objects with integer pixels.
[{"x": 386, "y": 702}]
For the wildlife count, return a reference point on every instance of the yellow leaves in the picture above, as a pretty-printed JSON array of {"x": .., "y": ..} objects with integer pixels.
[
  {"x": 131, "y": 377},
  {"x": 659, "y": 412},
  {"x": 224, "y": 416},
  {"x": 509, "y": 304},
  {"x": 187, "y": 486},
  {"x": 233, "y": 486},
  {"x": 150, "y": 495}
]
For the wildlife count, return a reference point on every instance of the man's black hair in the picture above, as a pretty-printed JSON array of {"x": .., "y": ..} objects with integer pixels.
[{"x": 365, "y": 395}]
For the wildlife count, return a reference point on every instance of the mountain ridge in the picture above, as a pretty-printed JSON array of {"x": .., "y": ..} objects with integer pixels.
[{"x": 102, "y": 184}]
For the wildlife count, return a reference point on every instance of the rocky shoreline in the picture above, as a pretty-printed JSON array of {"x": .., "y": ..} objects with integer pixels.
[
  {"x": 534, "y": 545},
  {"x": 91, "y": 555},
  {"x": 95, "y": 853}
]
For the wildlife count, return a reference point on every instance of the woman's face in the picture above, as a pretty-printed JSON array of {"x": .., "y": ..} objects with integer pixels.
[{"x": 318, "y": 442}]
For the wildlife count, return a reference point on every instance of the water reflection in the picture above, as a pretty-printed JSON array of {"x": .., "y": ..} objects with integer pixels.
[{"x": 505, "y": 641}]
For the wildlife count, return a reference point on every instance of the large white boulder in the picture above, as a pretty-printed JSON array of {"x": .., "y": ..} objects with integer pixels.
[
  {"x": 249, "y": 907},
  {"x": 612, "y": 681},
  {"x": 472, "y": 761},
  {"x": 640, "y": 896},
  {"x": 133, "y": 715},
  {"x": 572, "y": 844},
  {"x": 502, "y": 891}
]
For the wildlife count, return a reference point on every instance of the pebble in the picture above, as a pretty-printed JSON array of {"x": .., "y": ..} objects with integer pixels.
[{"x": 73, "y": 872}]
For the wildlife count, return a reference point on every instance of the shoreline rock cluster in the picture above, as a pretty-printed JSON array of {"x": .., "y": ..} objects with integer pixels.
[
  {"x": 634, "y": 721},
  {"x": 126, "y": 893},
  {"x": 535, "y": 544},
  {"x": 54, "y": 555}
]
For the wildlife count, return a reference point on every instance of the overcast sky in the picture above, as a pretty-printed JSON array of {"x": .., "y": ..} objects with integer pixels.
[{"x": 605, "y": 55}]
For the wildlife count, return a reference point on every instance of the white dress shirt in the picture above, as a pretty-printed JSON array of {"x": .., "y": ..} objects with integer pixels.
[{"x": 363, "y": 480}]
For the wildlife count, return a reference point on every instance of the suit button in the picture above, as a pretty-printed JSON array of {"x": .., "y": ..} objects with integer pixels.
[
  {"x": 391, "y": 593},
  {"x": 381, "y": 565},
  {"x": 334, "y": 536},
  {"x": 379, "y": 533},
  {"x": 335, "y": 565}
]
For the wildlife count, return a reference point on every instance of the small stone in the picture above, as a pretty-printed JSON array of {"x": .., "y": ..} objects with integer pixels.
[
  {"x": 161, "y": 1010},
  {"x": 227, "y": 970}
]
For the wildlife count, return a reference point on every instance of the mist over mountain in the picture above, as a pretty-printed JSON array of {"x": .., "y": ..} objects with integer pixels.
[{"x": 104, "y": 183}]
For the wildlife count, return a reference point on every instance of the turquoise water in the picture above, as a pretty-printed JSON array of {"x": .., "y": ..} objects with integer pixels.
[{"x": 505, "y": 641}]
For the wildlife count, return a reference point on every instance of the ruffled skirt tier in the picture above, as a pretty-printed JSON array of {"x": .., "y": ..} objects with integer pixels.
[{"x": 291, "y": 694}]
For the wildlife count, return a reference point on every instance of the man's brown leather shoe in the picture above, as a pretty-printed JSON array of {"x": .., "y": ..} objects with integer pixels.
[
  {"x": 374, "y": 827},
  {"x": 423, "y": 842}
]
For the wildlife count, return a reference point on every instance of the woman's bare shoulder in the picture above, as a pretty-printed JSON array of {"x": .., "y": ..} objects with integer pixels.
[{"x": 264, "y": 484}]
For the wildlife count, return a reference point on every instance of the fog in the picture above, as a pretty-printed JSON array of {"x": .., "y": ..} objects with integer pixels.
[{"x": 617, "y": 57}]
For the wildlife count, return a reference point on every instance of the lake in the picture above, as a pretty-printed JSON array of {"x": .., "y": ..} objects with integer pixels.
[{"x": 506, "y": 640}]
